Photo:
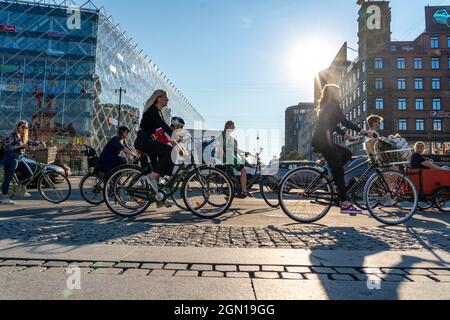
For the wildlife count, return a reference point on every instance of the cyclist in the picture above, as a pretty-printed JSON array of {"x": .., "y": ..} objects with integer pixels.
[
  {"x": 231, "y": 154},
  {"x": 330, "y": 116},
  {"x": 15, "y": 145},
  {"x": 110, "y": 157},
  {"x": 160, "y": 152}
]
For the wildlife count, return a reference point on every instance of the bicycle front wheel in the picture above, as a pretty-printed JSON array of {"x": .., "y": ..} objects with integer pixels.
[
  {"x": 208, "y": 192},
  {"x": 269, "y": 191},
  {"x": 54, "y": 187},
  {"x": 395, "y": 194},
  {"x": 305, "y": 195},
  {"x": 91, "y": 189}
]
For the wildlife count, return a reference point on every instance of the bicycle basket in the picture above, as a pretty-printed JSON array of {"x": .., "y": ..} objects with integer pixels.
[
  {"x": 46, "y": 155},
  {"x": 394, "y": 157}
]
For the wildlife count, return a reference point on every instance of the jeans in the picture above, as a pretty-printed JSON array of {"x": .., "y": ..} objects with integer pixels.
[{"x": 11, "y": 164}]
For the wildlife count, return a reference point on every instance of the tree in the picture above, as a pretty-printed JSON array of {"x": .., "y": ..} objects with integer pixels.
[{"x": 292, "y": 155}]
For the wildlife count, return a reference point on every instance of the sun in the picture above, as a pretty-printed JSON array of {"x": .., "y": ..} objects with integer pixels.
[{"x": 305, "y": 58}]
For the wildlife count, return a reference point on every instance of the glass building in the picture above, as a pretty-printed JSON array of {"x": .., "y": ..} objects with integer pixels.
[{"x": 61, "y": 68}]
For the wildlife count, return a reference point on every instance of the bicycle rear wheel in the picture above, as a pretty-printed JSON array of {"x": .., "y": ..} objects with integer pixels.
[
  {"x": 54, "y": 187},
  {"x": 208, "y": 192},
  {"x": 395, "y": 194},
  {"x": 305, "y": 195},
  {"x": 269, "y": 190},
  {"x": 117, "y": 192},
  {"x": 91, "y": 189},
  {"x": 177, "y": 196},
  {"x": 442, "y": 199}
]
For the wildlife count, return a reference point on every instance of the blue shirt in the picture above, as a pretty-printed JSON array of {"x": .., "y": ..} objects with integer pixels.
[{"x": 112, "y": 149}]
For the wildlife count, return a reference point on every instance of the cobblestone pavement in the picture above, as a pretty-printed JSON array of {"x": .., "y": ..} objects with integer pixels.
[
  {"x": 185, "y": 235},
  {"x": 159, "y": 269}
]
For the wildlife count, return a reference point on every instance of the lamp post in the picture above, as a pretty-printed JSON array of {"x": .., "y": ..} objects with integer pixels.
[{"x": 120, "y": 91}]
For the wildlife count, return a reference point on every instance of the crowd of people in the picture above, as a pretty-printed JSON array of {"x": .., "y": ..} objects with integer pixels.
[{"x": 160, "y": 141}]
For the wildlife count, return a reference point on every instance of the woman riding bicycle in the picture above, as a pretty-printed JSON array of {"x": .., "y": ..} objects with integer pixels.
[
  {"x": 152, "y": 120},
  {"x": 15, "y": 145},
  {"x": 330, "y": 116}
]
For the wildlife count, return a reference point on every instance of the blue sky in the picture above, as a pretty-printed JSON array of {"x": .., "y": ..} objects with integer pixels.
[{"x": 241, "y": 60}]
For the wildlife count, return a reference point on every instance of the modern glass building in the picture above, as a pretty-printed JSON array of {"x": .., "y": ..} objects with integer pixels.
[{"x": 61, "y": 67}]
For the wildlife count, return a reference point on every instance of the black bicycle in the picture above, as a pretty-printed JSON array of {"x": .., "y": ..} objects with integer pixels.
[
  {"x": 267, "y": 184},
  {"x": 207, "y": 192},
  {"x": 307, "y": 194}
]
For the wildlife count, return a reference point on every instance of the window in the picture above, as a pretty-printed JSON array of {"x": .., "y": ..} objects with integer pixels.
[
  {"x": 358, "y": 73},
  {"x": 434, "y": 42},
  {"x": 364, "y": 86},
  {"x": 364, "y": 106},
  {"x": 402, "y": 125},
  {"x": 435, "y": 63},
  {"x": 437, "y": 104},
  {"x": 402, "y": 104},
  {"x": 364, "y": 66},
  {"x": 448, "y": 41},
  {"x": 401, "y": 63},
  {"x": 378, "y": 83},
  {"x": 418, "y": 83},
  {"x": 419, "y": 104},
  {"x": 401, "y": 83},
  {"x": 358, "y": 111},
  {"x": 378, "y": 63},
  {"x": 420, "y": 125},
  {"x": 436, "y": 83},
  {"x": 437, "y": 125},
  {"x": 448, "y": 63},
  {"x": 418, "y": 63},
  {"x": 379, "y": 103},
  {"x": 382, "y": 125}
]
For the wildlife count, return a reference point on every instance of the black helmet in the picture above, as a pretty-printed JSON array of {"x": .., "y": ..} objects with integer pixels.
[
  {"x": 177, "y": 121},
  {"x": 122, "y": 130}
]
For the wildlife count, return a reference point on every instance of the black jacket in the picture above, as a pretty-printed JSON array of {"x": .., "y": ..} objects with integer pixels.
[
  {"x": 152, "y": 121},
  {"x": 328, "y": 122}
]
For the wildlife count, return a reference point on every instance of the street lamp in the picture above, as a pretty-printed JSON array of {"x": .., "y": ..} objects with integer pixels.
[{"x": 120, "y": 91}]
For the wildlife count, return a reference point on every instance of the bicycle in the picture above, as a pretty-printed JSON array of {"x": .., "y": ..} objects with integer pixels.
[
  {"x": 268, "y": 185},
  {"x": 52, "y": 186},
  {"x": 207, "y": 191},
  {"x": 385, "y": 192},
  {"x": 91, "y": 185}
]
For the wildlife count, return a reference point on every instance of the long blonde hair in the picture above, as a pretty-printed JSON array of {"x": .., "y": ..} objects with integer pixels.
[
  {"x": 330, "y": 93},
  {"x": 153, "y": 98},
  {"x": 25, "y": 137}
]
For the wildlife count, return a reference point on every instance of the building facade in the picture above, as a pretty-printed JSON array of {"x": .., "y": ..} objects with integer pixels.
[
  {"x": 295, "y": 117},
  {"x": 61, "y": 68},
  {"x": 405, "y": 82}
]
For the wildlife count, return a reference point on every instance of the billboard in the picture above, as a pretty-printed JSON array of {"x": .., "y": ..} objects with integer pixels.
[{"x": 437, "y": 19}]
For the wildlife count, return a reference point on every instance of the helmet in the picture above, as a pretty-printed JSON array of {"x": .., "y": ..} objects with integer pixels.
[
  {"x": 177, "y": 121},
  {"x": 122, "y": 130}
]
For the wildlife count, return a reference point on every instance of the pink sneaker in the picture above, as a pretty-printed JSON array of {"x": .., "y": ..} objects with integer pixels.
[{"x": 351, "y": 210}]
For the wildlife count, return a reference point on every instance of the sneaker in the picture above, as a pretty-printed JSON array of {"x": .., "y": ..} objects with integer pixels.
[
  {"x": 26, "y": 195},
  {"x": 7, "y": 202},
  {"x": 351, "y": 210}
]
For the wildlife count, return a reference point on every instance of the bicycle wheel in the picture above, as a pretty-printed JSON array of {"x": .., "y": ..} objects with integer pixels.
[
  {"x": 208, "y": 192},
  {"x": 442, "y": 199},
  {"x": 395, "y": 194},
  {"x": 305, "y": 195},
  {"x": 54, "y": 187},
  {"x": 117, "y": 192},
  {"x": 424, "y": 205},
  {"x": 268, "y": 187},
  {"x": 91, "y": 189}
]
